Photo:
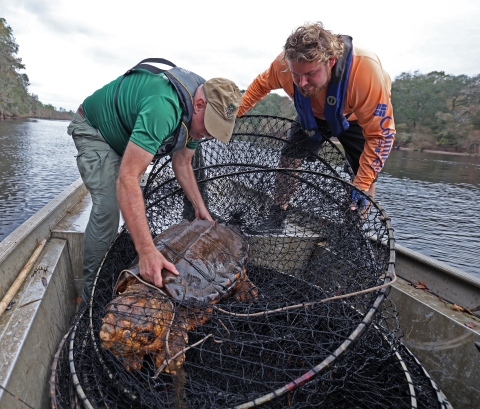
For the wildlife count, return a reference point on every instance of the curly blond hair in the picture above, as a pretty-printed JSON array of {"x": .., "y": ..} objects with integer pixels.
[{"x": 311, "y": 42}]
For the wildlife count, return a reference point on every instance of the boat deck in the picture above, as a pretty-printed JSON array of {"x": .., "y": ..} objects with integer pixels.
[{"x": 442, "y": 338}]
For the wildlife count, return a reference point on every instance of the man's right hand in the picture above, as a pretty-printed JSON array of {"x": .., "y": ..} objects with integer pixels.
[{"x": 151, "y": 264}]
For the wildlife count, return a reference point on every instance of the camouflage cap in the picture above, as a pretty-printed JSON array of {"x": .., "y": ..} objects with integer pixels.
[{"x": 223, "y": 101}]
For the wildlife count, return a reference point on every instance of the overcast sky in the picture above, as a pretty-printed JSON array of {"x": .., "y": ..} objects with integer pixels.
[{"x": 71, "y": 48}]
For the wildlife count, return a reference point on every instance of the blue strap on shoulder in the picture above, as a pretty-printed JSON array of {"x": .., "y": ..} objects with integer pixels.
[
  {"x": 337, "y": 88},
  {"x": 334, "y": 101},
  {"x": 305, "y": 115}
]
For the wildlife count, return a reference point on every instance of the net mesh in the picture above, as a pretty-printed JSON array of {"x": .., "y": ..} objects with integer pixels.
[{"x": 313, "y": 327}]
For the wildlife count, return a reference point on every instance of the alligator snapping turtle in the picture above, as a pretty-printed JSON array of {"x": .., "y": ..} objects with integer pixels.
[{"x": 143, "y": 319}]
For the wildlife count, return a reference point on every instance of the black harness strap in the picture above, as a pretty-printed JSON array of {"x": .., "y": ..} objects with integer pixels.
[{"x": 151, "y": 68}]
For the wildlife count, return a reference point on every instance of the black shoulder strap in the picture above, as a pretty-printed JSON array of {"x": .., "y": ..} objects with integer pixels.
[
  {"x": 142, "y": 64},
  {"x": 151, "y": 68}
]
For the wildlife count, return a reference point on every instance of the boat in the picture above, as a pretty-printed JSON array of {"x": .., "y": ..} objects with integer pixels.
[
  {"x": 437, "y": 307},
  {"x": 446, "y": 340}
]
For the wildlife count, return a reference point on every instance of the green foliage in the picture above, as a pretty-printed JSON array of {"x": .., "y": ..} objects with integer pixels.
[
  {"x": 476, "y": 120},
  {"x": 403, "y": 137},
  {"x": 15, "y": 101},
  {"x": 276, "y": 105},
  {"x": 441, "y": 105}
]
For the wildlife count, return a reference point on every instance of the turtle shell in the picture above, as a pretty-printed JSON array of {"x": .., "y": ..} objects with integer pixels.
[
  {"x": 142, "y": 319},
  {"x": 210, "y": 259}
]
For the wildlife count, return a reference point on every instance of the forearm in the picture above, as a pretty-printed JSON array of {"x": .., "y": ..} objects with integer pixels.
[
  {"x": 369, "y": 95},
  {"x": 130, "y": 198},
  {"x": 255, "y": 92},
  {"x": 379, "y": 136},
  {"x": 182, "y": 167},
  {"x": 271, "y": 79},
  {"x": 132, "y": 206},
  {"x": 365, "y": 175}
]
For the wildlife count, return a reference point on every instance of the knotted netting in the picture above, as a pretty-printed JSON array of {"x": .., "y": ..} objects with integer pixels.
[{"x": 313, "y": 327}]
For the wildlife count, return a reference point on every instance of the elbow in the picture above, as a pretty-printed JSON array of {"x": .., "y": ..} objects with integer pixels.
[{"x": 126, "y": 183}]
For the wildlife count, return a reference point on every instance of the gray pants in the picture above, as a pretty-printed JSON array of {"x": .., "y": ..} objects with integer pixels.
[{"x": 98, "y": 164}]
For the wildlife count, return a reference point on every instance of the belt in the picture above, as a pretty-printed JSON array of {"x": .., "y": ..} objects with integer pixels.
[{"x": 80, "y": 112}]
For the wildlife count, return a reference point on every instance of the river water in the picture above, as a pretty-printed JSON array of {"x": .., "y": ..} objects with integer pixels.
[
  {"x": 433, "y": 201},
  {"x": 431, "y": 198},
  {"x": 37, "y": 163}
]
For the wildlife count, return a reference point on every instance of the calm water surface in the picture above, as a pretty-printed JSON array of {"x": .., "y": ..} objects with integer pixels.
[
  {"x": 37, "y": 163},
  {"x": 431, "y": 198},
  {"x": 433, "y": 201}
]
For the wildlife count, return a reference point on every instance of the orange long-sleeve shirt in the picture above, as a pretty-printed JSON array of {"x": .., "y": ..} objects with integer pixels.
[{"x": 367, "y": 100}]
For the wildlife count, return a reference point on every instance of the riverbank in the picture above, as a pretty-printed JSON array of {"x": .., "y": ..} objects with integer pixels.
[
  {"x": 441, "y": 152},
  {"x": 58, "y": 115},
  {"x": 402, "y": 148}
]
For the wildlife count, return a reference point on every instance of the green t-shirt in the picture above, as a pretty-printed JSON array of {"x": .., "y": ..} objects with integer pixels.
[{"x": 148, "y": 104}]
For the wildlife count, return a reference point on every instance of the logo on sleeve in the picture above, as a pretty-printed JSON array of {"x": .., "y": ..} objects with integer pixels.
[
  {"x": 380, "y": 110},
  {"x": 385, "y": 144}
]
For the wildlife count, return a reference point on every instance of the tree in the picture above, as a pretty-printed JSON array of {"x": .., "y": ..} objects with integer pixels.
[
  {"x": 418, "y": 97},
  {"x": 15, "y": 101},
  {"x": 436, "y": 108},
  {"x": 13, "y": 84},
  {"x": 276, "y": 105}
]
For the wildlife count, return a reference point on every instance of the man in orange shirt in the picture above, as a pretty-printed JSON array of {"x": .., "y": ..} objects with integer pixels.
[{"x": 340, "y": 89}]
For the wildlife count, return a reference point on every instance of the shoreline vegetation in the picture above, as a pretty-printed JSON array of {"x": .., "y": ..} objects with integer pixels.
[
  {"x": 444, "y": 152},
  {"x": 15, "y": 100},
  {"x": 51, "y": 114},
  {"x": 440, "y": 152},
  {"x": 434, "y": 112}
]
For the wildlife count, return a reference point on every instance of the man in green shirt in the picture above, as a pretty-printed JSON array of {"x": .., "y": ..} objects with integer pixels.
[{"x": 118, "y": 130}]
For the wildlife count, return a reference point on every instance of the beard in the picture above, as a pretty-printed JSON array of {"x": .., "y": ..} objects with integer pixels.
[{"x": 315, "y": 91}]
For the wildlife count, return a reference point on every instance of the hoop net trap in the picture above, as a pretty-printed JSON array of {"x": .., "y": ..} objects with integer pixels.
[{"x": 292, "y": 318}]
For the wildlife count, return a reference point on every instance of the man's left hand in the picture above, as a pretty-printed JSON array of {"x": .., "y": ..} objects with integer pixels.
[
  {"x": 203, "y": 214},
  {"x": 359, "y": 200}
]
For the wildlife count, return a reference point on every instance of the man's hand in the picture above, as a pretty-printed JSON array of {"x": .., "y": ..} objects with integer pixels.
[
  {"x": 359, "y": 201},
  {"x": 203, "y": 214},
  {"x": 151, "y": 265}
]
